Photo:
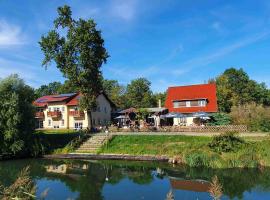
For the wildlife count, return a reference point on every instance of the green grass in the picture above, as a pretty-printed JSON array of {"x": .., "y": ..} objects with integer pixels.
[
  {"x": 56, "y": 131},
  {"x": 192, "y": 150},
  {"x": 154, "y": 145}
]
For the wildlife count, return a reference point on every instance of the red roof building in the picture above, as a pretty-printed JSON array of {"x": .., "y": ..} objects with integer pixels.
[{"x": 192, "y": 98}]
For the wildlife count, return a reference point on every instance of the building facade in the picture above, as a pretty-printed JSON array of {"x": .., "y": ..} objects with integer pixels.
[
  {"x": 62, "y": 112},
  {"x": 191, "y": 101}
]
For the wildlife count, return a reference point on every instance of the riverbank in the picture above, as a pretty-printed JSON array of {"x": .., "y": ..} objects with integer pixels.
[{"x": 191, "y": 150}]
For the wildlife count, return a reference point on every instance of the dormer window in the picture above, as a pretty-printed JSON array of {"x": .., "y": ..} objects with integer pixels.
[{"x": 189, "y": 103}]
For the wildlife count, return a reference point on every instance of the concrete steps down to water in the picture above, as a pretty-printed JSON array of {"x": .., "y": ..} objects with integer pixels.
[{"x": 93, "y": 144}]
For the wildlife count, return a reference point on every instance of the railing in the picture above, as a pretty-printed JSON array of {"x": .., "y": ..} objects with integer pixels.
[
  {"x": 76, "y": 113},
  {"x": 197, "y": 129},
  {"x": 54, "y": 114},
  {"x": 39, "y": 115}
]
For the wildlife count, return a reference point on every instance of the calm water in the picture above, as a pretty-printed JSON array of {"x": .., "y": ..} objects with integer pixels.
[{"x": 77, "y": 179}]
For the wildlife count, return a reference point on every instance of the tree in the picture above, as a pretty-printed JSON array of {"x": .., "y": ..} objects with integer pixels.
[
  {"x": 116, "y": 92},
  {"x": 234, "y": 87},
  {"x": 79, "y": 54},
  {"x": 16, "y": 116},
  {"x": 139, "y": 94},
  {"x": 51, "y": 88},
  {"x": 159, "y": 96}
]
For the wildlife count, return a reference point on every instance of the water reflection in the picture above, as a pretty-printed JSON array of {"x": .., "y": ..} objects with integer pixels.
[{"x": 76, "y": 179}]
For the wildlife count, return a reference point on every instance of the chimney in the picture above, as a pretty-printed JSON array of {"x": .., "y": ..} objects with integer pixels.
[{"x": 159, "y": 103}]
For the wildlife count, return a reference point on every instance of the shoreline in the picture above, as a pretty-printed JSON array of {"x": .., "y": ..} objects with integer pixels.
[{"x": 107, "y": 157}]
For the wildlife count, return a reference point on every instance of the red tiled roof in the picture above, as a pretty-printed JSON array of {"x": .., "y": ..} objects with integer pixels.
[
  {"x": 43, "y": 101},
  {"x": 74, "y": 101},
  {"x": 192, "y": 92}
]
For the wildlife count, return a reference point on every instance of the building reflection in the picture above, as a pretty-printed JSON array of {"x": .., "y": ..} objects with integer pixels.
[{"x": 190, "y": 185}]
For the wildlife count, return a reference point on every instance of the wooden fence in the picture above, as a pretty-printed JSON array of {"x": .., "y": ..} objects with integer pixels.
[{"x": 198, "y": 129}]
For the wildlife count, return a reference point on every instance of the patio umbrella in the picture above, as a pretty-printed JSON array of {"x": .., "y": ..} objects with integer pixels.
[
  {"x": 121, "y": 117},
  {"x": 202, "y": 115},
  {"x": 174, "y": 115}
]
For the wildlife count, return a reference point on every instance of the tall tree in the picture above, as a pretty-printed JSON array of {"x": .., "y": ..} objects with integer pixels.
[
  {"x": 16, "y": 116},
  {"x": 115, "y": 91},
  {"x": 139, "y": 94},
  {"x": 79, "y": 54},
  {"x": 51, "y": 88},
  {"x": 234, "y": 87}
]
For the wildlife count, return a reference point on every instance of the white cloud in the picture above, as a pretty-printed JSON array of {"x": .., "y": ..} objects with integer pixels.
[
  {"x": 10, "y": 35},
  {"x": 221, "y": 52},
  {"x": 124, "y": 9}
]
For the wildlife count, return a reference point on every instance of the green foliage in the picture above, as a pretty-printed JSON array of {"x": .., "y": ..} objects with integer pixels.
[
  {"x": 142, "y": 114},
  {"x": 22, "y": 188},
  {"x": 79, "y": 54},
  {"x": 139, "y": 94},
  {"x": 234, "y": 87},
  {"x": 227, "y": 142},
  {"x": 51, "y": 88},
  {"x": 220, "y": 119},
  {"x": 16, "y": 116},
  {"x": 256, "y": 117},
  {"x": 197, "y": 159},
  {"x": 55, "y": 88},
  {"x": 115, "y": 92}
]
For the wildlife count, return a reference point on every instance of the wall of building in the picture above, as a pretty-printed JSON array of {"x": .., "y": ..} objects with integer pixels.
[
  {"x": 186, "y": 120},
  {"x": 102, "y": 115},
  {"x": 72, "y": 120}
]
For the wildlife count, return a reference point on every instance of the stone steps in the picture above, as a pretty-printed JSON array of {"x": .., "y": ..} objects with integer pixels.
[{"x": 93, "y": 144}]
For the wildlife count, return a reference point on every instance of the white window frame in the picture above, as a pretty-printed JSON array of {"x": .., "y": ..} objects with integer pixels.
[
  {"x": 49, "y": 122},
  {"x": 78, "y": 125},
  {"x": 202, "y": 103},
  {"x": 188, "y": 104}
]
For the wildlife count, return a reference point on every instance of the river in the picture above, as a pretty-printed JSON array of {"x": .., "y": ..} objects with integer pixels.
[{"x": 117, "y": 180}]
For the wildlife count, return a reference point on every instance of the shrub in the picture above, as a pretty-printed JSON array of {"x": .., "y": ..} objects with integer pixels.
[
  {"x": 197, "y": 159},
  {"x": 227, "y": 142},
  {"x": 256, "y": 117},
  {"x": 218, "y": 119}
]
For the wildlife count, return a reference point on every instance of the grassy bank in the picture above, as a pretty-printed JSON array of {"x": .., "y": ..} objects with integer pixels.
[{"x": 193, "y": 150}]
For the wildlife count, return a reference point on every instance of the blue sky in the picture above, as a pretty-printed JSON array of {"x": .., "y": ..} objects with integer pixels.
[{"x": 169, "y": 42}]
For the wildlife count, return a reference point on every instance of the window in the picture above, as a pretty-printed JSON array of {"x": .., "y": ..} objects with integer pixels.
[
  {"x": 99, "y": 122},
  {"x": 176, "y": 104},
  {"x": 188, "y": 104},
  {"x": 62, "y": 122},
  {"x": 49, "y": 109},
  {"x": 194, "y": 103},
  {"x": 49, "y": 122},
  {"x": 94, "y": 122},
  {"x": 56, "y": 109},
  {"x": 202, "y": 103},
  {"x": 76, "y": 108},
  {"x": 183, "y": 120},
  {"x": 105, "y": 109},
  {"x": 98, "y": 109},
  {"x": 63, "y": 109},
  {"x": 78, "y": 125}
]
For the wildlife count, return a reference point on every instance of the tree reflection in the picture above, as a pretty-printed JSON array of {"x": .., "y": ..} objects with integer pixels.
[{"x": 89, "y": 178}]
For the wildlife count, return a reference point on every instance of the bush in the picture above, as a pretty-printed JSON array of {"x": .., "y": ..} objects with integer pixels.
[
  {"x": 219, "y": 119},
  {"x": 256, "y": 117},
  {"x": 197, "y": 159},
  {"x": 227, "y": 142}
]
